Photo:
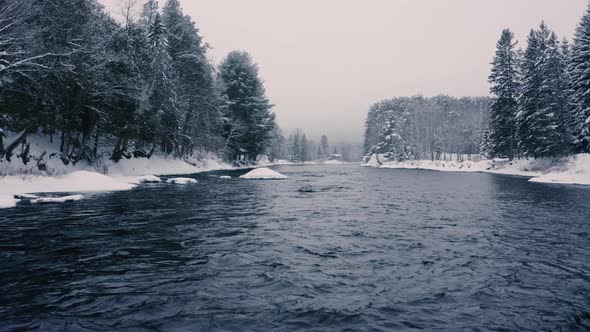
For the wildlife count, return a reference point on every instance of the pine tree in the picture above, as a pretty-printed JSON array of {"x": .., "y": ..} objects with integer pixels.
[
  {"x": 295, "y": 147},
  {"x": 247, "y": 106},
  {"x": 304, "y": 149},
  {"x": 324, "y": 151},
  {"x": 549, "y": 124},
  {"x": 529, "y": 98},
  {"x": 162, "y": 93},
  {"x": 580, "y": 76},
  {"x": 504, "y": 79}
]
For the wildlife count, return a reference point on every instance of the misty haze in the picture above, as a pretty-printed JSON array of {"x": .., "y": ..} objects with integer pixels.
[{"x": 263, "y": 165}]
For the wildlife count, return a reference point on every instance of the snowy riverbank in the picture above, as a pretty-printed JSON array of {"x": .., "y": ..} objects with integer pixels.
[
  {"x": 18, "y": 179},
  {"x": 566, "y": 170}
]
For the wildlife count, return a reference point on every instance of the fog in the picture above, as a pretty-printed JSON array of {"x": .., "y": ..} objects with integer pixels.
[{"x": 325, "y": 62}]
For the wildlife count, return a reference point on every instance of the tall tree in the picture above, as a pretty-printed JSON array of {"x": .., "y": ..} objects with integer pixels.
[
  {"x": 529, "y": 98},
  {"x": 249, "y": 118},
  {"x": 580, "y": 76},
  {"x": 324, "y": 151},
  {"x": 504, "y": 79},
  {"x": 550, "y": 122}
]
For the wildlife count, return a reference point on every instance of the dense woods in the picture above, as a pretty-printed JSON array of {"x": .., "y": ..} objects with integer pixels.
[
  {"x": 425, "y": 128},
  {"x": 539, "y": 107},
  {"x": 124, "y": 89}
]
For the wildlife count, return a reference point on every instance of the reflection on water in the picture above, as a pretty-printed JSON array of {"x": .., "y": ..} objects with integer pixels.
[{"x": 368, "y": 249}]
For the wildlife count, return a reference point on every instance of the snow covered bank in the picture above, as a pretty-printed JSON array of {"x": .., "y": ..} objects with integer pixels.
[
  {"x": 263, "y": 174},
  {"x": 7, "y": 201},
  {"x": 80, "y": 181},
  {"x": 575, "y": 171},
  {"x": 566, "y": 170}
]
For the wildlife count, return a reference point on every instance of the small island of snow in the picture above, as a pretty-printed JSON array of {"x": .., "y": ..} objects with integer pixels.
[
  {"x": 7, "y": 201},
  {"x": 64, "y": 199},
  {"x": 264, "y": 174},
  {"x": 181, "y": 181}
]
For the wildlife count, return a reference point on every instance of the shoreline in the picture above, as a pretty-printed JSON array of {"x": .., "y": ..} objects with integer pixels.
[{"x": 570, "y": 170}]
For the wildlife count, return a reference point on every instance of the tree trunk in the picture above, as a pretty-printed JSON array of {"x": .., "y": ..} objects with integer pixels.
[{"x": 10, "y": 149}]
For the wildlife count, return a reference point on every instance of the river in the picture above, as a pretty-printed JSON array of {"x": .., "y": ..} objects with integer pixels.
[{"x": 366, "y": 250}]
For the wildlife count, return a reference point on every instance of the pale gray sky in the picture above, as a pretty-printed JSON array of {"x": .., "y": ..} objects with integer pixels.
[{"x": 326, "y": 61}]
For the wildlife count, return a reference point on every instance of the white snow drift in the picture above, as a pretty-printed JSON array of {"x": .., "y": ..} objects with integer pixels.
[
  {"x": 81, "y": 181},
  {"x": 63, "y": 199},
  {"x": 263, "y": 174},
  {"x": 7, "y": 201},
  {"x": 181, "y": 181}
]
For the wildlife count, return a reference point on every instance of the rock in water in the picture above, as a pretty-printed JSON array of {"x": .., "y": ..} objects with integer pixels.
[
  {"x": 264, "y": 174},
  {"x": 306, "y": 189}
]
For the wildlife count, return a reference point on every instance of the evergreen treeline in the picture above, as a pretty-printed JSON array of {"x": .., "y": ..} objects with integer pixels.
[
  {"x": 299, "y": 149},
  {"x": 540, "y": 107},
  {"x": 69, "y": 70},
  {"x": 425, "y": 128}
]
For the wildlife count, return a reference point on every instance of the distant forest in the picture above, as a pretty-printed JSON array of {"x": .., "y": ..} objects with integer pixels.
[
  {"x": 127, "y": 89},
  {"x": 539, "y": 107}
]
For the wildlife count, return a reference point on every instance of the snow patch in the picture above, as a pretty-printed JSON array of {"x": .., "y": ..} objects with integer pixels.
[
  {"x": 181, "y": 181},
  {"x": 63, "y": 199},
  {"x": 264, "y": 174},
  {"x": 80, "y": 181},
  {"x": 7, "y": 201},
  {"x": 575, "y": 171}
]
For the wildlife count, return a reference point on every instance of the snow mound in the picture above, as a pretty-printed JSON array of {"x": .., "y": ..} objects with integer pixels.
[
  {"x": 64, "y": 199},
  {"x": 181, "y": 181},
  {"x": 576, "y": 171},
  {"x": 7, "y": 201},
  {"x": 264, "y": 174},
  {"x": 81, "y": 181},
  {"x": 225, "y": 177}
]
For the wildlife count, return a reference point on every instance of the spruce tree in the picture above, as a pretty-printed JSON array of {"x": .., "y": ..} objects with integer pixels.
[
  {"x": 580, "y": 76},
  {"x": 528, "y": 100},
  {"x": 501, "y": 140},
  {"x": 304, "y": 149},
  {"x": 324, "y": 151},
  {"x": 247, "y": 105},
  {"x": 550, "y": 122}
]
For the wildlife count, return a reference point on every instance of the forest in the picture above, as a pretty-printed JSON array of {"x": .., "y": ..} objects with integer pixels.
[
  {"x": 539, "y": 107},
  {"x": 106, "y": 88}
]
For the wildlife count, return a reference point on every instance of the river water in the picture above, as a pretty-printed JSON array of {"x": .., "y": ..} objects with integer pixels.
[{"x": 367, "y": 250}]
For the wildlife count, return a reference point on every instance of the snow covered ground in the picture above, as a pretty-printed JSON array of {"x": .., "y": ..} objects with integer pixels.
[{"x": 566, "y": 170}]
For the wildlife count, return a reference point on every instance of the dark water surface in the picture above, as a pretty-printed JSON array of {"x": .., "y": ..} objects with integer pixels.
[{"x": 369, "y": 250}]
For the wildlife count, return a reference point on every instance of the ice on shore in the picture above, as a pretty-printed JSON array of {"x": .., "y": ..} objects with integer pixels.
[
  {"x": 263, "y": 174},
  {"x": 181, "y": 181},
  {"x": 63, "y": 199},
  {"x": 7, "y": 201}
]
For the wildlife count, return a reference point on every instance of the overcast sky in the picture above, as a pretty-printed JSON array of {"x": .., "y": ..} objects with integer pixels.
[{"x": 326, "y": 61}]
